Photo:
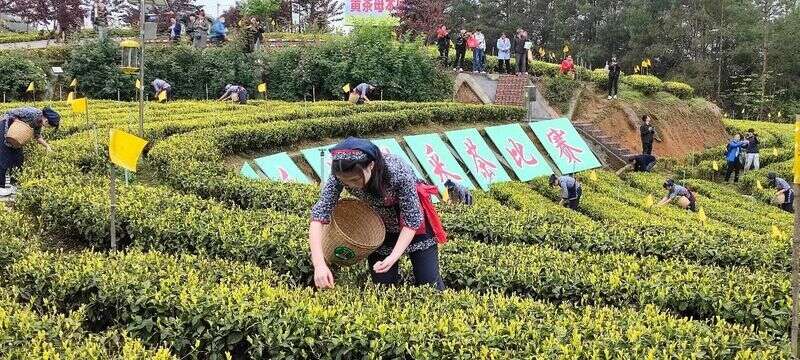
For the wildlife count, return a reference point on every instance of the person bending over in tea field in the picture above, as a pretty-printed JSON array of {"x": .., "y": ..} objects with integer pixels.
[
  {"x": 31, "y": 120},
  {"x": 359, "y": 93},
  {"x": 684, "y": 196},
  {"x": 639, "y": 163},
  {"x": 390, "y": 187},
  {"x": 235, "y": 93},
  {"x": 570, "y": 190},
  {"x": 784, "y": 191}
]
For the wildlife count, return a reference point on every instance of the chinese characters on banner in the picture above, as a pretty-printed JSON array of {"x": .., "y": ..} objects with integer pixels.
[
  {"x": 485, "y": 167},
  {"x": 438, "y": 166},
  {"x": 477, "y": 156},
  {"x": 519, "y": 151},
  {"x": 371, "y": 7},
  {"x": 565, "y": 150},
  {"x": 564, "y": 145},
  {"x": 437, "y": 160},
  {"x": 280, "y": 167}
]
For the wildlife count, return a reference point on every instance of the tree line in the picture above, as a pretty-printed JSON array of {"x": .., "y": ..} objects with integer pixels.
[{"x": 739, "y": 53}]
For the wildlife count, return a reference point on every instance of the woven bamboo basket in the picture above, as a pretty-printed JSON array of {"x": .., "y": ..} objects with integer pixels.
[
  {"x": 19, "y": 134},
  {"x": 355, "y": 231},
  {"x": 353, "y": 99},
  {"x": 779, "y": 199},
  {"x": 683, "y": 202}
]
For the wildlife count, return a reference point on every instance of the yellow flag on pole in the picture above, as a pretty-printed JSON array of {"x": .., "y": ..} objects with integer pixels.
[
  {"x": 74, "y": 83},
  {"x": 124, "y": 149},
  {"x": 593, "y": 175},
  {"x": 566, "y": 49},
  {"x": 30, "y": 87},
  {"x": 758, "y": 185},
  {"x": 262, "y": 88},
  {"x": 715, "y": 165},
  {"x": 138, "y": 84},
  {"x": 797, "y": 151},
  {"x": 776, "y": 232},
  {"x": 649, "y": 201},
  {"x": 446, "y": 195},
  {"x": 79, "y": 106},
  {"x": 701, "y": 214},
  {"x": 346, "y": 88},
  {"x": 70, "y": 96},
  {"x": 162, "y": 95}
]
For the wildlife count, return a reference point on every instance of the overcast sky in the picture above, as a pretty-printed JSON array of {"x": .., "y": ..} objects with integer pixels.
[{"x": 211, "y": 5}]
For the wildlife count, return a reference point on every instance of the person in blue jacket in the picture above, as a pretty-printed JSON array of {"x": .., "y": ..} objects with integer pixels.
[
  {"x": 734, "y": 165},
  {"x": 784, "y": 188},
  {"x": 218, "y": 30}
]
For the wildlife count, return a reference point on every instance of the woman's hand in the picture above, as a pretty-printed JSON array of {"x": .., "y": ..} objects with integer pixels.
[
  {"x": 323, "y": 278},
  {"x": 381, "y": 267}
]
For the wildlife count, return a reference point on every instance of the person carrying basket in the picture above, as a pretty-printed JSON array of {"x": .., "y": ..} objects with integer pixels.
[
  {"x": 17, "y": 128},
  {"x": 388, "y": 185}
]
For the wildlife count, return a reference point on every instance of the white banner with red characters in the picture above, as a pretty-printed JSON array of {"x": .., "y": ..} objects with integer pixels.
[{"x": 370, "y": 8}]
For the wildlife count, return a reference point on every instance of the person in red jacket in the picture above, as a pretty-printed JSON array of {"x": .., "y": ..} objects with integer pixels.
[{"x": 567, "y": 66}]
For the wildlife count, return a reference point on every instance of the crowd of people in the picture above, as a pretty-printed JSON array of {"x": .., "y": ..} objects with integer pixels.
[
  {"x": 200, "y": 30},
  {"x": 517, "y": 48}
]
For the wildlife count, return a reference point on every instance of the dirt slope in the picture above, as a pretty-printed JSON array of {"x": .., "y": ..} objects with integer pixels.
[{"x": 681, "y": 126}]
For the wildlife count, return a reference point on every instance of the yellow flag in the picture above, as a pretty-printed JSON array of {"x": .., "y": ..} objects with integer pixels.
[
  {"x": 262, "y": 88},
  {"x": 593, "y": 175},
  {"x": 79, "y": 106},
  {"x": 74, "y": 83},
  {"x": 346, "y": 88},
  {"x": 162, "y": 95},
  {"x": 758, "y": 185},
  {"x": 644, "y": 64},
  {"x": 776, "y": 232},
  {"x": 715, "y": 166},
  {"x": 71, "y": 96},
  {"x": 138, "y": 84},
  {"x": 797, "y": 151},
  {"x": 701, "y": 214},
  {"x": 775, "y": 151},
  {"x": 649, "y": 201},
  {"x": 566, "y": 49},
  {"x": 30, "y": 87},
  {"x": 124, "y": 149},
  {"x": 446, "y": 195}
]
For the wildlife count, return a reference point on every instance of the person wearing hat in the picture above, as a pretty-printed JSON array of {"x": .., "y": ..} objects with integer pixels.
[
  {"x": 390, "y": 187},
  {"x": 359, "y": 93},
  {"x": 639, "y": 163},
  {"x": 570, "y": 190},
  {"x": 10, "y": 156},
  {"x": 785, "y": 189},
  {"x": 160, "y": 85},
  {"x": 675, "y": 191},
  {"x": 239, "y": 91}
]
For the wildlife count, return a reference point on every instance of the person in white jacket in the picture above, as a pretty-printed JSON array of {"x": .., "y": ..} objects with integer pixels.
[
  {"x": 478, "y": 53},
  {"x": 504, "y": 54}
]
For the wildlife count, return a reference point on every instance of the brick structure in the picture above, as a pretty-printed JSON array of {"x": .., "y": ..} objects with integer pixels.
[{"x": 511, "y": 90}]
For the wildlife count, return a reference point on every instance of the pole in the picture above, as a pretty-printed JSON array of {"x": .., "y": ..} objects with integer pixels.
[
  {"x": 94, "y": 132},
  {"x": 314, "y": 93},
  {"x": 796, "y": 243},
  {"x": 141, "y": 69},
  {"x": 112, "y": 192},
  {"x": 206, "y": 92},
  {"x": 118, "y": 98}
]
